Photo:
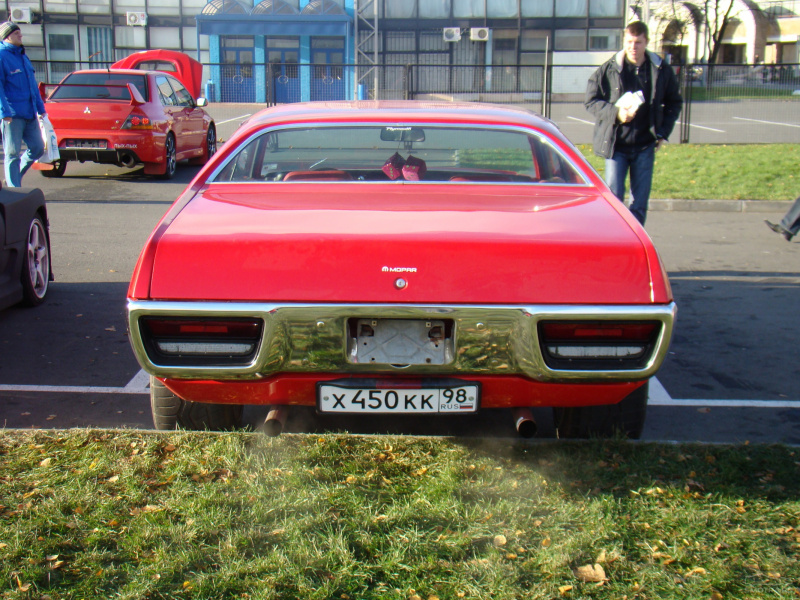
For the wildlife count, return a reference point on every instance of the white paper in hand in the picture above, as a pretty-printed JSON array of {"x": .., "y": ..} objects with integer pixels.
[{"x": 630, "y": 101}]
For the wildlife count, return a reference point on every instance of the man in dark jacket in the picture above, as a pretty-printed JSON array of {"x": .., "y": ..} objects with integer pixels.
[
  {"x": 635, "y": 99},
  {"x": 20, "y": 103}
]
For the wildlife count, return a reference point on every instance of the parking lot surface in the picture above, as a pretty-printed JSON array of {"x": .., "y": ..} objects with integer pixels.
[{"x": 731, "y": 374}]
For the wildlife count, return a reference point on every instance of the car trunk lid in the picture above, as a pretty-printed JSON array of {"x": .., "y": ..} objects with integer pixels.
[{"x": 401, "y": 243}]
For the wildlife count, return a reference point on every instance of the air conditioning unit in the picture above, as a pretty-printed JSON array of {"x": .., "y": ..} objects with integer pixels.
[
  {"x": 136, "y": 18},
  {"x": 451, "y": 34},
  {"x": 21, "y": 14},
  {"x": 479, "y": 34}
]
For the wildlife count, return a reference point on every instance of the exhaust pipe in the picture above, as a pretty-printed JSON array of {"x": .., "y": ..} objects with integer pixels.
[
  {"x": 276, "y": 419},
  {"x": 127, "y": 160},
  {"x": 523, "y": 419}
]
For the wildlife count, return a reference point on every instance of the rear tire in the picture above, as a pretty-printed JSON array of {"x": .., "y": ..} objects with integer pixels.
[
  {"x": 171, "y": 412},
  {"x": 170, "y": 158},
  {"x": 35, "y": 276},
  {"x": 605, "y": 421},
  {"x": 58, "y": 169}
]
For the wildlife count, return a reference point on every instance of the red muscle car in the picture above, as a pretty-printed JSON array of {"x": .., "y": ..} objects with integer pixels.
[
  {"x": 127, "y": 117},
  {"x": 400, "y": 258}
]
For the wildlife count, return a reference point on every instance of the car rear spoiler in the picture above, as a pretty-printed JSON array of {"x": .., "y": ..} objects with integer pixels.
[{"x": 46, "y": 90}]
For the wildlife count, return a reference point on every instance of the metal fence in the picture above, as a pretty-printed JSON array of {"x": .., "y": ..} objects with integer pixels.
[{"x": 722, "y": 103}]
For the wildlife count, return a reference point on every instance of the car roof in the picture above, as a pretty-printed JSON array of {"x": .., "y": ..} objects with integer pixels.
[
  {"x": 121, "y": 72},
  {"x": 402, "y": 111}
]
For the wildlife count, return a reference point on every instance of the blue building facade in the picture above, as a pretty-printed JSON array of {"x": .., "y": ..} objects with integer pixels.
[{"x": 274, "y": 52}]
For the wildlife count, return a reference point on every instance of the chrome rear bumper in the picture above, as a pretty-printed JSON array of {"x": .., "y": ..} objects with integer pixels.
[{"x": 314, "y": 338}]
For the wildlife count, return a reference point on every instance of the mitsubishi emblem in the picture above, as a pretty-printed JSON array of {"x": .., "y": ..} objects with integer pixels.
[{"x": 86, "y": 111}]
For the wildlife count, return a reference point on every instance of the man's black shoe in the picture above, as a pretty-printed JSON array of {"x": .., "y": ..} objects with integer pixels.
[{"x": 778, "y": 228}]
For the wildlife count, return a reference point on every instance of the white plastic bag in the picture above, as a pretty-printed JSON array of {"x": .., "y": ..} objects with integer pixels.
[{"x": 51, "y": 153}]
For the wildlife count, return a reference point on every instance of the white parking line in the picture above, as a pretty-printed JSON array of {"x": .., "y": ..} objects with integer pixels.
[
  {"x": 140, "y": 384},
  {"x": 234, "y": 119},
  {"x": 703, "y": 127},
  {"x": 70, "y": 389},
  {"x": 768, "y": 122},
  {"x": 660, "y": 397},
  {"x": 690, "y": 124}
]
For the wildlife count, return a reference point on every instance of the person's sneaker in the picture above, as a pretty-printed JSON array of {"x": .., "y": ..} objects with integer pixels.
[{"x": 778, "y": 228}]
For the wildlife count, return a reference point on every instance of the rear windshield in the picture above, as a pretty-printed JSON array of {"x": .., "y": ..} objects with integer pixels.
[
  {"x": 99, "y": 86},
  {"x": 400, "y": 153}
]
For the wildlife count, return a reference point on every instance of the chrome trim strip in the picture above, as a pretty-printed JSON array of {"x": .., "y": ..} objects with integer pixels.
[{"x": 312, "y": 338}]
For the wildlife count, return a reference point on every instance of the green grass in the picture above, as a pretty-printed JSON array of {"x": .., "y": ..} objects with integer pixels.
[
  {"x": 722, "y": 172},
  {"x": 752, "y": 92},
  {"x": 88, "y": 514}
]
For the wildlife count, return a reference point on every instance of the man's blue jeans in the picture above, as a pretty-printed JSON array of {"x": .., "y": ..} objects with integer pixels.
[
  {"x": 640, "y": 164},
  {"x": 13, "y": 135}
]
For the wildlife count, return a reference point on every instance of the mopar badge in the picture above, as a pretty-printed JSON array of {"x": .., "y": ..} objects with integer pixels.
[
  {"x": 86, "y": 111},
  {"x": 399, "y": 269},
  {"x": 400, "y": 283}
]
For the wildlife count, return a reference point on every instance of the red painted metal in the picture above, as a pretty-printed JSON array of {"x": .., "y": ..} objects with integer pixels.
[
  {"x": 186, "y": 69},
  {"x": 485, "y": 245},
  {"x": 497, "y": 392}
]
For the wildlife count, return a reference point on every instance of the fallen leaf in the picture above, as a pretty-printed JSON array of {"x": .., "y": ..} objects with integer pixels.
[
  {"x": 601, "y": 558},
  {"x": 546, "y": 542},
  {"x": 113, "y": 479},
  {"x": 564, "y": 589},
  {"x": 46, "y": 462},
  {"x": 500, "y": 540},
  {"x": 696, "y": 571},
  {"x": 590, "y": 573},
  {"x": 716, "y": 596}
]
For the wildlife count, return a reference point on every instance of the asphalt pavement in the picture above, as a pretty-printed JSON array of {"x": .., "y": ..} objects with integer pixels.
[{"x": 730, "y": 376}]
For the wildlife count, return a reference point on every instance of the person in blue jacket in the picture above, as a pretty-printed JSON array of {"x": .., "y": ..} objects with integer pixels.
[{"x": 20, "y": 105}]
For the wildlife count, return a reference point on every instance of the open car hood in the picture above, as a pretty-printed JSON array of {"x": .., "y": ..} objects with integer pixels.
[{"x": 487, "y": 244}]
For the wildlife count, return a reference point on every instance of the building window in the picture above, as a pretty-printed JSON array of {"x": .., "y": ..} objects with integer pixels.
[
  {"x": 502, "y": 8},
  {"x": 571, "y": 8},
  {"x": 102, "y": 7},
  {"x": 605, "y": 8},
  {"x": 434, "y": 9},
  {"x": 60, "y": 6},
  {"x": 401, "y": 9},
  {"x": 534, "y": 41},
  {"x": 123, "y": 6},
  {"x": 130, "y": 37},
  {"x": 570, "y": 39},
  {"x": 536, "y": 8},
  {"x": 466, "y": 9},
  {"x": 165, "y": 37},
  {"x": 604, "y": 39}
]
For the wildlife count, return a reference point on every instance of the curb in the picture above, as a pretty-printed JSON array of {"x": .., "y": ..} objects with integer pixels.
[{"x": 750, "y": 206}]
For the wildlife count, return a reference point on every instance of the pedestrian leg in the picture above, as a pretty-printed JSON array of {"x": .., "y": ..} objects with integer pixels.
[
  {"x": 32, "y": 134},
  {"x": 642, "y": 181},
  {"x": 12, "y": 146},
  {"x": 616, "y": 173}
]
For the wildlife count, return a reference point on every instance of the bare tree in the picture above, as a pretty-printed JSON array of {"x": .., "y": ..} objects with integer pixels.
[{"x": 718, "y": 14}]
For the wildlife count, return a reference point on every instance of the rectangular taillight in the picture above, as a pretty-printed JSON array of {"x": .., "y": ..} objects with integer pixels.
[
  {"x": 602, "y": 345},
  {"x": 187, "y": 341}
]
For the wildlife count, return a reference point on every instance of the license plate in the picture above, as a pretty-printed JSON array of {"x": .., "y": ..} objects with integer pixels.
[{"x": 459, "y": 398}]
